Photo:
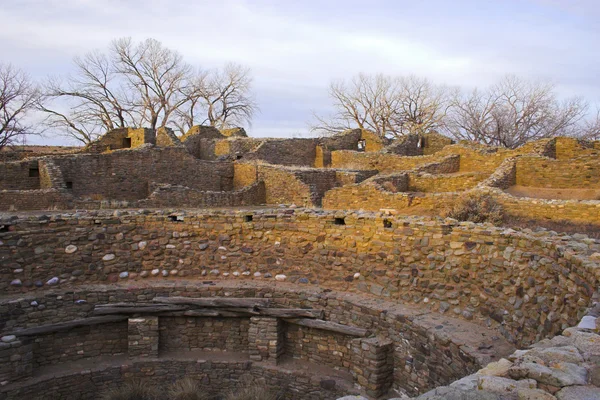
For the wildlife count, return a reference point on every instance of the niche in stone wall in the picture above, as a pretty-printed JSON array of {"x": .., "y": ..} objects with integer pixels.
[
  {"x": 69, "y": 185},
  {"x": 34, "y": 172}
]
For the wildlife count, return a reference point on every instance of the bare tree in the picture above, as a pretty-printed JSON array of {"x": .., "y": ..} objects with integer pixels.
[
  {"x": 512, "y": 113},
  {"x": 219, "y": 98},
  {"x": 18, "y": 98},
  {"x": 591, "y": 127},
  {"x": 94, "y": 97},
  {"x": 388, "y": 106},
  {"x": 157, "y": 76}
]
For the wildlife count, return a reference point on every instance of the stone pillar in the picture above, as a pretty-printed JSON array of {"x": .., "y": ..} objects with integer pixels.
[
  {"x": 143, "y": 337},
  {"x": 373, "y": 364},
  {"x": 16, "y": 359},
  {"x": 265, "y": 339}
]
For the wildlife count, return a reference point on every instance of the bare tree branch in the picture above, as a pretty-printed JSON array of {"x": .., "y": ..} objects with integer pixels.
[
  {"x": 388, "y": 106},
  {"x": 220, "y": 98},
  {"x": 512, "y": 113},
  {"x": 18, "y": 98}
]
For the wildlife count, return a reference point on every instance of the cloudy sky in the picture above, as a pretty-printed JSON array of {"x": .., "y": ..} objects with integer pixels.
[{"x": 295, "y": 48}]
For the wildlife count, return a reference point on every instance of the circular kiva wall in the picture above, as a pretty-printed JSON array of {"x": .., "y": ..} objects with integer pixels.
[
  {"x": 307, "y": 342},
  {"x": 432, "y": 300},
  {"x": 530, "y": 285}
]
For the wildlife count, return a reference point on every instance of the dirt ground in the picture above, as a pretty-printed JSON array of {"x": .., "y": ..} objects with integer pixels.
[{"x": 554, "y": 194}]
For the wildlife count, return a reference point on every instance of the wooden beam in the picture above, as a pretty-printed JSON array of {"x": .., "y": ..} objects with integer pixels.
[
  {"x": 65, "y": 326},
  {"x": 206, "y": 313},
  {"x": 281, "y": 312},
  {"x": 136, "y": 308},
  {"x": 329, "y": 326},
  {"x": 218, "y": 302}
]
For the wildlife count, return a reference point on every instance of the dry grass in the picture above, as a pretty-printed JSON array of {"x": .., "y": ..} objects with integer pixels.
[
  {"x": 186, "y": 389},
  {"x": 475, "y": 207}
]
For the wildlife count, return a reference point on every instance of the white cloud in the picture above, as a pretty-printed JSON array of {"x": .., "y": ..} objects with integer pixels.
[{"x": 295, "y": 49}]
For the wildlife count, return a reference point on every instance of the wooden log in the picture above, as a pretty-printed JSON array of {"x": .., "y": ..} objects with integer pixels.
[
  {"x": 68, "y": 325},
  {"x": 136, "y": 308},
  {"x": 206, "y": 313},
  {"x": 329, "y": 326},
  {"x": 281, "y": 312},
  {"x": 217, "y": 302}
]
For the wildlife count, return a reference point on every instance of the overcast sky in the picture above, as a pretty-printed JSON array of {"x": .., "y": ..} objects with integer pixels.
[{"x": 295, "y": 47}]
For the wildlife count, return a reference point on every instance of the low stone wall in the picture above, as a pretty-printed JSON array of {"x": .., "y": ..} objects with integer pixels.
[
  {"x": 319, "y": 347},
  {"x": 216, "y": 378},
  {"x": 383, "y": 162},
  {"x": 180, "y": 196},
  {"x": 474, "y": 271},
  {"x": 79, "y": 343},
  {"x": 127, "y": 174},
  {"x": 409, "y": 350},
  {"x": 43, "y": 199},
  {"x": 441, "y": 183},
  {"x": 582, "y": 211},
  {"x": 560, "y": 174},
  {"x": 569, "y": 148},
  {"x": 299, "y": 186},
  {"x": 375, "y": 196},
  {"x": 211, "y": 334}
]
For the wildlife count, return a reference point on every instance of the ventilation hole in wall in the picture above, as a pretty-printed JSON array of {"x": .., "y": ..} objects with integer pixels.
[
  {"x": 339, "y": 221},
  {"x": 387, "y": 223},
  {"x": 247, "y": 218},
  {"x": 176, "y": 218},
  {"x": 238, "y": 157},
  {"x": 4, "y": 228},
  {"x": 126, "y": 143},
  {"x": 69, "y": 185},
  {"x": 34, "y": 172}
]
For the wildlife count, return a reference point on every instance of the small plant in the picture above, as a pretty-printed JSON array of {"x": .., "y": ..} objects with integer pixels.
[
  {"x": 134, "y": 390},
  {"x": 186, "y": 389},
  {"x": 476, "y": 207},
  {"x": 253, "y": 392}
]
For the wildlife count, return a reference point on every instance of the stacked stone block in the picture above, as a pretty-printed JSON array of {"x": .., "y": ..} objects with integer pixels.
[
  {"x": 16, "y": 358},
  {"x": 143, "y": 337},
  {"x": 373, "y": 364},
  {"x": 265, "y": 339}
]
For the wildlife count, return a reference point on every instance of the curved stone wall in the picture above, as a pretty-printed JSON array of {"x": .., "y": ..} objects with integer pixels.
[
  {"x": 532, "y": 285},
  {"x": 423, "y": 350}
]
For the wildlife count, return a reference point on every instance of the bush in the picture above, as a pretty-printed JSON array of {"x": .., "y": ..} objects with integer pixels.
[
  {"x": 186, "y": 389},
  {"x": 134, "y": 390},
  {"x": 253, "y": 392},
  {"x": 476, "y": 207}
]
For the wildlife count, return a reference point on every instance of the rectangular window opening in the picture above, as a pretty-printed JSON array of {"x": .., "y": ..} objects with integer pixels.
[
  {"x": 126, "y": 143},
  {"x": 34, "y": 172},
  {"x": 69, "y": 185},
  {"x": 247, "y": 218}
]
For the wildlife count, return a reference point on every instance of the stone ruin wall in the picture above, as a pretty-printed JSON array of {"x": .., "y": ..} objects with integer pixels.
[
  {"x": 581, "y": 173},
  {"x": 471, "y": 271},
  {"x": 408, "y": 352}
]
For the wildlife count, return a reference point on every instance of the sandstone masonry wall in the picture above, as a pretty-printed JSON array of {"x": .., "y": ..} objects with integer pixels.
[
  {"x": 548, "y": 173},
  {"x": 516, "y": 279},
  {"x": 211, "y": 334}
]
